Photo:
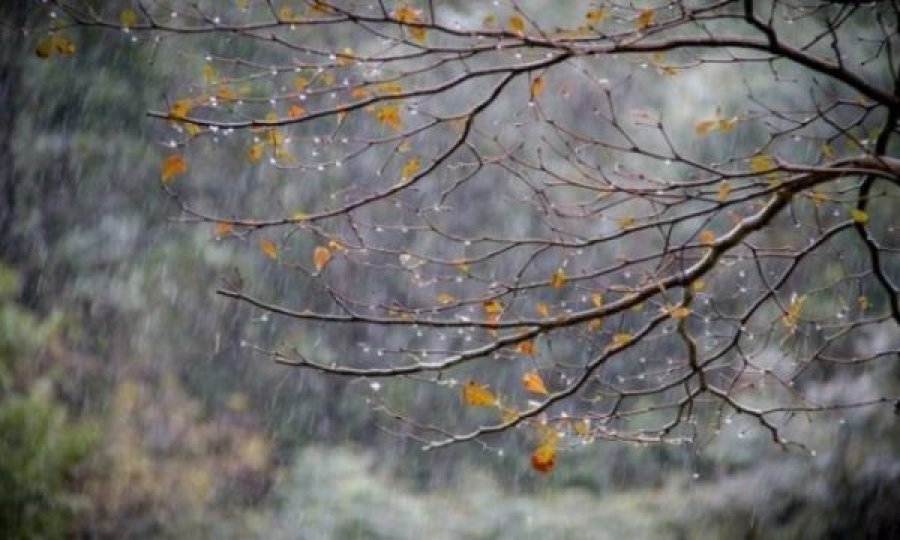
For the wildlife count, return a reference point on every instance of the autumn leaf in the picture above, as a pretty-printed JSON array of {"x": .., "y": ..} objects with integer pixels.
[
  {"x": 723, "y": 190},
  {"x": 300, "y": 82},
  {"x": 128, "y": 18},
  {"x": 321, "y": 256},
  {"x": 296, "y": 110},
  {"x": 558, "y": 279},
  {"x": 410, "y": 168},
  {"x": 794, "y": 308},
  {"x": 268, "y": 248},
  {"x": 492, "y": 307},
  {"x": 537, "y": 86},
  {"x": 533, "y": 382},
  {"x": 863, "y": 303},
  {"x": 597, "y": 299},
  {"x": 625, "y": 221},
  {"x": 827, "y": 151},
  {"x": 761, "y": 163},
  {"x": 444, "y": 298},
  {"x": 255, "y": 152},
  {"x": 180, "y": 108},
  {"x": 621, "y": 338},
  {"x": 703, "y": 127},
  {"x": 406, "y": 14},
  {"x": 726, "y": 125},
  {"x": 44, "y": 47},
  {"x": 544, "y": 457},
  {"x": 62, "y": 44},
  {"x": 706, "y": 237},
  {"x": 516, "y": 23},
  {"x": 223, "y": 228},
  {"x": 389, "y": 114},
  {"x": 679, "y": 312},
  {"x": 525, "y": 347},
  {"x": 644, "y": 18},
  {"x": 595, "y": 15},
  {"x": 542, "y": 309},
  {"x": 172, "y": 166},
  {"x": 478, "y": 395},
  {"x": 582, "y": 427},
  {"x": 859, "y": 216},
  {"x": 698, "y": 285}
]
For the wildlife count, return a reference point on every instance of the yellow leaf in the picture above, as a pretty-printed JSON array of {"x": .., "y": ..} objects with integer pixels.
[
  {"x": 489, "y": 20},
  {"x": 621, "y": 338},
  {"x": 285, "y": 13},
  {"x": 698, "y": 285},
  {"x": 389, "y": 114},
  {"x": 703, "y": 127},
  {"x": 345, "y": 58},
  {"x": 727, "y": 124},
  {"x": 389, "y": 88},
  {"x": 525, "y": 347},
  {"x": 223, "y": 228},
  {"x": 817, "y": 197},
  {"x": 478, "y": 395},
  {"x": 209, "y": 74},
  {"x": 445, "y": 298},
  {"x": 706, "y": 237},
  {"x": 859, "y": 216},
  {"x": 596, "y": 15},
  {"x": 128, "y": 18},
  {"x": 533, "y": 382},
  {"x": 558, "y": 279},
  {"x": 300, "y": 82},
  {"x": 542, "y": 309},
  {"x": 255, "y": 152},
  {"x": 597, "y": 299},
  {"x": 537, "y": 86},
  {"x": 827, "y": 151},
  {"x": 723, "y": 190},
  {"x": 191, "y": 129},
  {"x": 644, "y": 18},
  {"x": 795, "y": 307},
  {"x": 62, "y": 44},
  {"x": 516, "y": 23},
  {"x": 544, "y": 457},
  {"x": 321, "y": 256},
  {"x": 180, "y": 108},
  {"x": 172, "y": 166},
  {"x": 761, "y": 163},
  {"x": 679, "y": 312},
  {"x": 625, "y": 222},
  {"x": 508, "y": 414},
  {"x": 268, "y": 248},
  {"x": 410, "y": 168},
  {"x": 595, "y": 324},
  {"x": 44, "y": 47},
  {"x": 492, "y": 307},
  {"x": 582, "y": 427}
]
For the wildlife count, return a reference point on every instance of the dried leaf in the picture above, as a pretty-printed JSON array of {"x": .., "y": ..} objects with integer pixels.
[
  {"x": 492, "y": 307},
  {"x": 44, "y": 47},
  {"x": 389, "y": 114},
  {"x": 726, "y": 125},
  {"x": 445, "y": 298},
  {"x": 533, "y": 382},
  {"x": 582, "y": 427},
  {"x": 595, "y": 15},
  {"x": 296, "y": 110},
  {"x": 268, "y": 248},
  {"x": 62, "y": 44},
  {"x": 542, "y": 309},
  {"x": 679, "y": 312},
  {"x": 703, "y": 127},
  {"x": 698, "y": 285},
  {"x": 478, "y": 395},
  {"x": 180, "y": 108},
  {"x": 172, "y": 166},
  {"x": 621, "y": 338},
  {"x": 321, "y": 256},
  {"x": 597, "y": 299}
]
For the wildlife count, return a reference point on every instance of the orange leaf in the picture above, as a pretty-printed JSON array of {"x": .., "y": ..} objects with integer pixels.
[
  {"x": 596, "y": 15},
  {"x": 525, "y": 347},
  {"x": 172, "y": 166},
  {"x": 255, "y": 152},
  {"x": 478, "y": 395},
  {"x": 706, "y": 237},
  {"x": 492, "y": 307},
  {"x": 445, "y": 298},
  {"x": 533, "y": 382},
  {"x": 544, "y": 457},
  {"x": 321, "y": 256},
  {"x": 542, "y": 309},
  {"x": 390, "y": 115},
  {"x": 268, "y": 248},
  {"x": 410, "y": 168},
  {"x": 180, "y": 108},
  {"x": 223, "y": 228},
  {"x": 703, "y": 127},
  {"x": 296, "y": 110},
  {"x": 723, "y": 190},
  {"x": 597, "y": 299}
]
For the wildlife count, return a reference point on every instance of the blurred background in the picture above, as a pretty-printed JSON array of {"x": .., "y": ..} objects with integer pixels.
[{"x": 129, "y": 408}]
